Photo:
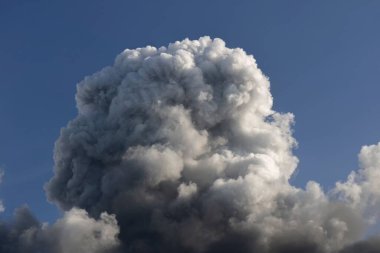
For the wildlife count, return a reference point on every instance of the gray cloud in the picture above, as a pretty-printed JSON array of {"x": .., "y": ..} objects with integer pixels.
[
  {"x": 372, "y": 245},
  {"x": 74, "y": 232},
  {"x": 182, "y": 145}
]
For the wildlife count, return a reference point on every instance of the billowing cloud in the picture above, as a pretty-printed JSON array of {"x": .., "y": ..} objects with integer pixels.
[
  {"x": 182, "y": 144},
  {"x": 362, "y": 187},
  {"x": 75, "y": 232},
  {"x": 178, "y": 149}
]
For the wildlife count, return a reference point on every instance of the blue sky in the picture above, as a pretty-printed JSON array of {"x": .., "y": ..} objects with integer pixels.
[{"x": 322, "y": 58}]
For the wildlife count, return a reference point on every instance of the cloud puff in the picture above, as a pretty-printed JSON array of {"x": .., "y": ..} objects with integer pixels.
[
  {"x": 361, "y": 189},
  {"x": 74, "y": 232}
]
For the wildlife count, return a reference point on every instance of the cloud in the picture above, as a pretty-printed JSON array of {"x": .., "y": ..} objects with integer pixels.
[
  {"x": 75, "y": 232},
  {"x": 2, "y": 207},
  {"x": 178, "y": 149},
  {"x": 182, "y": 144},
  {"x": 361, "y": 190},
  {"x": 372, "y": 245}
]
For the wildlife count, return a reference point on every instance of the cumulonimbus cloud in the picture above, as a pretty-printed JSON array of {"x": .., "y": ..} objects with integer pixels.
[{"x": 182, "y": 145}]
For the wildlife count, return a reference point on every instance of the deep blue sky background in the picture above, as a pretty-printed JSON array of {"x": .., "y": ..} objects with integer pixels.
[{"x": 322, "y": 57}]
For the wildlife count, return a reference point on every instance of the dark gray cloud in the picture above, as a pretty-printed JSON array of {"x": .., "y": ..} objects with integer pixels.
[
  {"x": 372, "y": 245},
  {"x": 178, "y": 149}
]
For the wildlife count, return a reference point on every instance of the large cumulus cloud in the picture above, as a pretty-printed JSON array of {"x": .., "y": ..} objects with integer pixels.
[
  {"x": 178, "y": 148},
  {"x": 182, "y": 144}
]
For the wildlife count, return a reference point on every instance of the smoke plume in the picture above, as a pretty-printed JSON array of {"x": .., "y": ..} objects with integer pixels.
[{"x": 178, "y": 149}]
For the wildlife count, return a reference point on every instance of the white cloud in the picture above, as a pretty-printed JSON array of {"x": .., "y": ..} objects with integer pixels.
[{"x": 76, "y": 232}]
